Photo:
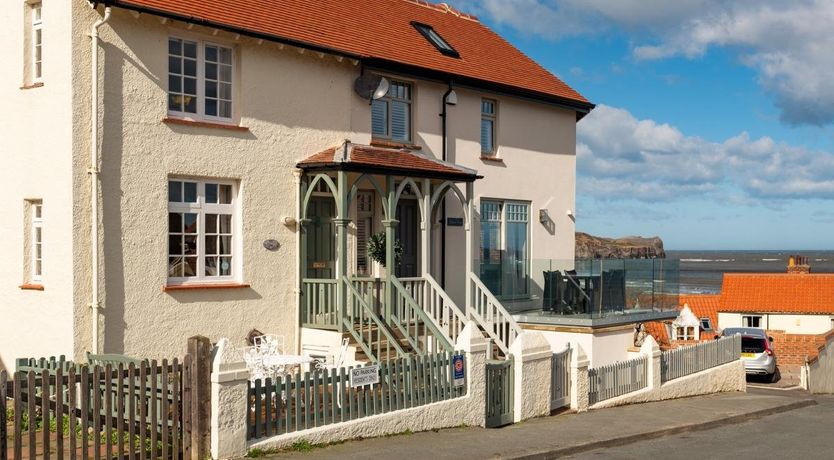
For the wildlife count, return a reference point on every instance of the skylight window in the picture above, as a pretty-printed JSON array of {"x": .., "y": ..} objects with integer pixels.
[{"x": 435, "y": 39}]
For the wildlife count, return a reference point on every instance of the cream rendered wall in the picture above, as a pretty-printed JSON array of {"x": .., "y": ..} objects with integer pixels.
[
  {"x": 601, "y": 347},
  {"x": 537, "y": 143},
  {"x": 294, "y": 105},
  {"x": 791, "y": 324},
  {"x": 36, "y": 133}
]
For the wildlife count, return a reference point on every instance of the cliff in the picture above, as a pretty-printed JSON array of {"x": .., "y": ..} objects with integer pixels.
[{"x": 630, "y": 247}]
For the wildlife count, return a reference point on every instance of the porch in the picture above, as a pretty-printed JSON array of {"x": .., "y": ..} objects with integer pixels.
[{"x": 394, "y": 306}]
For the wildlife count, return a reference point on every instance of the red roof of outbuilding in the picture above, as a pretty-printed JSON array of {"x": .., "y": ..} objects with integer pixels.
[
  {"x": 367, "y": 158},
  {"x": 378, "y": 32},
  {"x": 777, "y": 293},
  {"x": 703, "y": 306}
]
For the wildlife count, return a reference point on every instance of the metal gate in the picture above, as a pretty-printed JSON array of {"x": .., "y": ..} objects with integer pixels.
[
  {"x": 560, "y": 380},
  {"x": 499, "y": 393}
]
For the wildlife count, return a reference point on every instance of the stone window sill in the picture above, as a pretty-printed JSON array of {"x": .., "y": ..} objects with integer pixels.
[
  {"x": 32, "y": 85},
  {"x": 394, "y": 145},
  {"x": 203, "y": 286},
  {"x": 202, "y": 124},
  {"x": 31, "y": 287},
  {"x": 491, "y": 159}
]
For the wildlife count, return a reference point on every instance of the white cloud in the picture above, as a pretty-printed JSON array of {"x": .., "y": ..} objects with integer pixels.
[
  {"x": 789, "y": 43},
  {"x": 622, "y": 157}
]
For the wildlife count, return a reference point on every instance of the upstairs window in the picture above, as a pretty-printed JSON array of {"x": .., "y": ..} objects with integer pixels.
[
  {"x": 751, "y": 321},
  {"x": 37, "y": 42},
  {"x": 685, "y": 333},
  {"x": 200, "y": 79},
  {"x": 391, "y": 114},
  {"x": 435, "y": 39},
  {"x": 488, "y": 115},
  {"x": 706, "y": 324}
]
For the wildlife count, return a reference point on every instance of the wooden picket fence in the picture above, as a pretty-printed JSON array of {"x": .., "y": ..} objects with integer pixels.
[
  {"x": 617, "y": 379},
  {"x": 54, "y": 408},
  {"x": 323, "y": 397},
  {"x": 696, "y": 358}
]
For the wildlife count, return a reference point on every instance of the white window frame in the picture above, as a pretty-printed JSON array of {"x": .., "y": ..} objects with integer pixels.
[
  {"x": 201, "y": 208},
  {"x": 745, "y": 318},
  {"x": 201, "y": 82},
  {"x": 37, "y": 242},
  {"x": 503, "y": 205},
  {"x": 36, "y": 13},
  {"x": 493, "y": 117},
  {"x": 708, "y": 321},
  {"x": 388, "y": 118},
  {"x": 688, "y": 333}
]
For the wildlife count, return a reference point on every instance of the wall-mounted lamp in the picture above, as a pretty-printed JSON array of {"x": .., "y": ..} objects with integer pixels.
[
  {"x": 289, "y": 221},
  {"x": 569, "y": 213},
  {"x": 544, "y": 217}
]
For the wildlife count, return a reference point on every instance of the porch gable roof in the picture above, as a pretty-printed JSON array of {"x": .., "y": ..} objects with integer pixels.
[{"x": 401, "y": 162}]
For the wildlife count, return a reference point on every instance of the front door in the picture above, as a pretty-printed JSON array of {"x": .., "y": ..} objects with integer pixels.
[
  {"x": 408, "y": 234},
  {"x": 321, "y": 238}
]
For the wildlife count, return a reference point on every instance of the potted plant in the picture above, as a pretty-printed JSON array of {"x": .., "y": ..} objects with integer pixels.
[{"x": 377, "y": 247}]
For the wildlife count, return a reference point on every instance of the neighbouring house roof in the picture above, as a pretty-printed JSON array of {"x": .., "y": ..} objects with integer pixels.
[
  {"x": 777, "y": 293},
  {"x": 365, "y": 158},
  {"x": 659, "y": 330},
  {"x": 381, "y": 34},
  {"x": 703, "y": 306}
]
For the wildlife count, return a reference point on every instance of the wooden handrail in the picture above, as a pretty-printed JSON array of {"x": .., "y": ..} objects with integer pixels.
[
  {"x": 403, "y": 319},
  {"x": 491, "y": 315},
  {"x": 364, "y": 337}
]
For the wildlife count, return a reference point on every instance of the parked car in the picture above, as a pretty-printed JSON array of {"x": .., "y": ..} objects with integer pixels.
[{"x": 756, "y": 351}]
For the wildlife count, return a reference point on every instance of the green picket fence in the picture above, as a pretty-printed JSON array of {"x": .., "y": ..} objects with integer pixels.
[{"x": 324, "y": 397}]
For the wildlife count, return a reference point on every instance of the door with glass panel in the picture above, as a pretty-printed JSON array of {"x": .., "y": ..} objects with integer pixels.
[
  {"x": 321, "y": 238},
  {"x": 505, "y": 251},
  {"x": 408, "y": 234}
]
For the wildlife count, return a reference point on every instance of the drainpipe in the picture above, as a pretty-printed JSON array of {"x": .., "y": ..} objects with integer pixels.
[
  {"x": 94, "y": 178},
  {"x": 443, "y": 117}
]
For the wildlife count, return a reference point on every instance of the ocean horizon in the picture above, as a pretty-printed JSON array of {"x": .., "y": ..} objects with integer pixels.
[{"x": 702, "y": 271}]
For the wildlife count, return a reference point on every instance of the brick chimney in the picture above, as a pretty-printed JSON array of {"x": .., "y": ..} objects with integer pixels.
[{"x": 798, "y": 265}]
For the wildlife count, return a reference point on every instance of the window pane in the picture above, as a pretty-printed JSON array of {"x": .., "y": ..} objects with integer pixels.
[
  {"x": 174, "y": 245},
  {"x": 211, "y": 193},
  {"x": 225, "y": 194},
  {"x": 175, "y": 267},
  {"x": 225, "y": 109},
  {"x": 174, "y": 65},
  {"x": 190, "y": 86},
  {"x": 225, "y": 266},
  {"x": 211, "y": 223},
  {"x": 400, "y": 121},
  {"x": 211, "y": 266},
  {"x": 486, "y": 136},
  {"x": 174, "y": 46},
  {"x": 190, "y": 267},
  {"x": 190, "y": 223},
  {"x": 225, "y": 73},
  {"x": 211, "y": 89},
  {"x": 174, "y": 222},
  {"x": 211, "y": 107},
  {"x": 379, "y": 118},
  {"x": 226, "y": 91},
  {"x": 189, "y": 244},
  {"x": 189, "y": 67},
  {"x": 174, "y": 84},
  {"x": 190, "y": 50},
  {"x": 225, "y": 56},
  {"x": 211, "y": 53},
  {"x": 225, "y": 223},
  {"x": 190, "y": 195},
  {"x": 211, "y": 71},
  {"x": 174, "y": 191},
  {"x": 225, "y": 244},
  {"x": 211, "y": 244}
]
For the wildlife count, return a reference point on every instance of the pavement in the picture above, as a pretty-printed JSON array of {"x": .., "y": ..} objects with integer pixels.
[{"x": 572, "y": 434}]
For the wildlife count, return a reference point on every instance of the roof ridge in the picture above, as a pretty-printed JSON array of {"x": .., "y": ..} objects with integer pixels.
[{"x": 444, "y": 8}]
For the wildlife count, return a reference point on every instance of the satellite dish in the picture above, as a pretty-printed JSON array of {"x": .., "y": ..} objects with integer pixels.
[{"x": 371, "y": 86}]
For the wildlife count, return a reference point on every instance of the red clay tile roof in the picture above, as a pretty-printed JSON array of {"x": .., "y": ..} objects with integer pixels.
[
  {"x": 703, "y": 306},
  {"x": 364, "y": 157},
  {"x": 777, "y": 293},
  {"x": 379, "y": 33},
  {"x": 658, "y": 330}
]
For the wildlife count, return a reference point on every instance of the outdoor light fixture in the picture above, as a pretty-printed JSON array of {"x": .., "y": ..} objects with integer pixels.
[
  {"x": 289, "y": 221},
  {"x": 452, "y": 97},
  {"x": 543, "y": 216}
]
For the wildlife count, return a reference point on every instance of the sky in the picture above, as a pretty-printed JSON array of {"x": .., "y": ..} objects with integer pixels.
[{"x": 714, "y": 125}]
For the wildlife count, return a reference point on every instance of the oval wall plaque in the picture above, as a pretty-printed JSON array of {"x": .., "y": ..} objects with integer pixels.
[{"x": 272, "y": 245}]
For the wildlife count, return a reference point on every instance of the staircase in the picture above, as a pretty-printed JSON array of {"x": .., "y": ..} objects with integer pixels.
[{"x": 422, "y": 319}]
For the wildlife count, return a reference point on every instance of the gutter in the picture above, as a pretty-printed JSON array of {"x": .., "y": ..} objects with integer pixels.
[
  {"x": 444, "y": 116},
  {"x": 95, "y": 176}
]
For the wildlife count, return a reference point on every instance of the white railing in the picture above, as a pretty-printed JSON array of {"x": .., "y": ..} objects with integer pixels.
[
  {"x": 696, "y": 358},
  {"x": 488, "y": 312},
  {"x": 437, "y": 304},
  {"x": 617, "y": 379}
]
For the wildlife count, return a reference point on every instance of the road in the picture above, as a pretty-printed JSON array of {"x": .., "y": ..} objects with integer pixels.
[{"x": 806, "y": 433}]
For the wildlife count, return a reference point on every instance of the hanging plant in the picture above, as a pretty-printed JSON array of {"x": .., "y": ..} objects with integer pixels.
[{"x": 376, "y": 249}]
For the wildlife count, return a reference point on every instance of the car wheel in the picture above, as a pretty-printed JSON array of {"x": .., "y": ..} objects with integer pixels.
[{"x": 772, "y": 378}]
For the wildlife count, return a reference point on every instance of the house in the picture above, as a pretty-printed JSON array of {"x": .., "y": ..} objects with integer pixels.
[
  {"x": 195, "y": 167},
  {"x": 697, "y": 321}
]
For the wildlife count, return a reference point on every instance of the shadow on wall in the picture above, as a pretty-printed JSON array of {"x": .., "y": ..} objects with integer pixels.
[{"x": 214, "y": 295}]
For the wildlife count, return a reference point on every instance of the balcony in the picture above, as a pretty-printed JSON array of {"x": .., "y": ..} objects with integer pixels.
[{"x": 585, "y": 292}]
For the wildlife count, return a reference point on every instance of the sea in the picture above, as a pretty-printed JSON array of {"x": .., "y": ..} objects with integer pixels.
[{"x": 701, "y": 272}]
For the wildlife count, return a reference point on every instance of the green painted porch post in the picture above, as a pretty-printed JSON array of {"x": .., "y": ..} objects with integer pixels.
[
  {"x": 390, "y": 259},
  {"x": 425, "y": 227},
  {"x": 469, "y": 214},
  {"x": 341, "y": 223},
  {"x": 301, "y": 228}
]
